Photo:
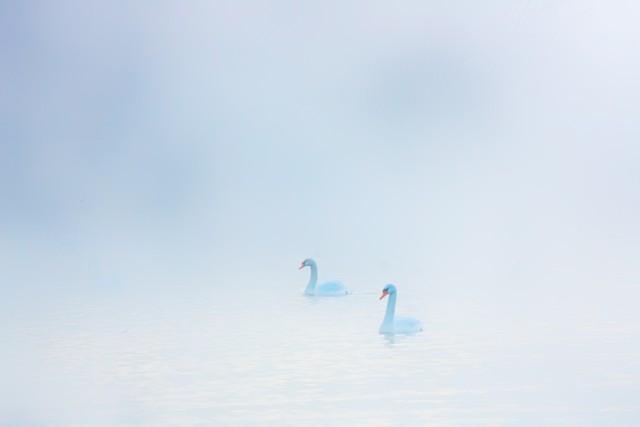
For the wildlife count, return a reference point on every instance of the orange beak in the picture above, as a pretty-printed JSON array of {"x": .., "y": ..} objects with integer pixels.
[
  {"x": 301, "y": 266},
  {"x": 384, "y": 294}
]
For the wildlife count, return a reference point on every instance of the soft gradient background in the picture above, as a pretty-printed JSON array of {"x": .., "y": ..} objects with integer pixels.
[{"x": 162, "y": 159}]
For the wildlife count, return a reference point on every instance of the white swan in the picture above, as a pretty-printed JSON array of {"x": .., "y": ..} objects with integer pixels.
[
  {"x": 396, "y": 325},
  {"x": 327, "y": 289}
]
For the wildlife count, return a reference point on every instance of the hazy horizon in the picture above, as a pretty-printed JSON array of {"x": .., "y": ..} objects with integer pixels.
[{"x": 472, "y": 153}]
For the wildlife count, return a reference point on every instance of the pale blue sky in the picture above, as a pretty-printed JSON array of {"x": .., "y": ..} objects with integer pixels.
[{"x": 163, "y": 141}]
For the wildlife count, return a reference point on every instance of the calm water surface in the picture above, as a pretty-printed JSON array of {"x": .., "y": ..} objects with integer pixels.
[{"x": 273, "y": 357}]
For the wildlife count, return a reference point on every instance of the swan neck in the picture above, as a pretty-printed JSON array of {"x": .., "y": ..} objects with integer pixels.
[
  {"x": 313, "y": 279},
  {"x": 391, "y": 309}
]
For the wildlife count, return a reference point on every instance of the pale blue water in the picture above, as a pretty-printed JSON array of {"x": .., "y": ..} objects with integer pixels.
[{"x": 267, "y": 356}]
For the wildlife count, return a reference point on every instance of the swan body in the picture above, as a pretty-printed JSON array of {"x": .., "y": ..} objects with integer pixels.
[
  {"x": 393, "y": 324},
  {"x": 327, "y": 289}
]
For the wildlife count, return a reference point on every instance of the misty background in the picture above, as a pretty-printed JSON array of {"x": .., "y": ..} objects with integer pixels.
[{"x": 472, "y": 151}]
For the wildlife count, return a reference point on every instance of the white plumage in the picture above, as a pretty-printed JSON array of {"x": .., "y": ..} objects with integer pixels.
[
  {"x": 393, "y": 324},
  {"x": 327, "y": 289}
]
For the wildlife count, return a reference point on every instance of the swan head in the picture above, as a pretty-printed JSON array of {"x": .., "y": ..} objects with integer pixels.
[
  {"x": 388, "y": 290},
  {"x": 306, "y": 263}
]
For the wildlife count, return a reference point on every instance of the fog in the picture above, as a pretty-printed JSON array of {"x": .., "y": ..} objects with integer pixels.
[{"x": 473, "y": 153}]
